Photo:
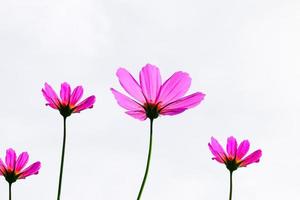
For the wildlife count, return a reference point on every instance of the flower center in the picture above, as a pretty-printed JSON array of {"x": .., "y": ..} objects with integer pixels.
[
  {"x": 152, "y": 110},
  {"x": 65, "y": 110},
  {"x": 11, "y": 177},
  {"x": 232, "y": 165}
]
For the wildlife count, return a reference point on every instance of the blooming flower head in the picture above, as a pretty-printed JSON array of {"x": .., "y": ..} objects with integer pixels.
[
  {"x": 13, "y": 169},
  {"x": 151, "y": 97},
  {"x": 234, "y": 158},
  {"x": 68, "y": 101}
]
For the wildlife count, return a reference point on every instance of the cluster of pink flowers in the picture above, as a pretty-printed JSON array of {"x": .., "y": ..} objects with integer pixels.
[{"x": 147, "y": 98}]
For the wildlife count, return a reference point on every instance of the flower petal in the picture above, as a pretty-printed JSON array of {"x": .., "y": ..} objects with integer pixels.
[
  {"x": 231, "y": 147},
  {"x": 253, "y": 157},
  {"x": 32, "y": 169},
  {"x": 50, "y": 101},
  {"x": 65, "y": 92},
  {"x": 141, "y": 115},
  {"x": 10, "y": 159},
  {"x": 130, "y": 85},
  {"x": 50, "y": 96},
  {"x": 2, "y": 167},
  {"x": 171, "y": 112},
  {"x": 242, "y": 150},
  {"x": 150, "y": 81},
  {"x": 87, "y": 103},
  {"x": 216, "y": 154},
  {"x": 183, "y": 104},
  {"x": 125, "y": 101},
  {"x": 21, "y": 161},
  {"x": 76, "y": 95},
  {"x": 174, "y": 88},
  {"x": 218, "y": 149}
]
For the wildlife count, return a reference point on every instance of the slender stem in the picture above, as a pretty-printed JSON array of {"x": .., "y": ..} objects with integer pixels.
[
  {"x": 230, "y": 192},
  {"x": 9, "y": 186},
  {"x": 148, "y": 161},
  {"x": 62, "y": 161}
]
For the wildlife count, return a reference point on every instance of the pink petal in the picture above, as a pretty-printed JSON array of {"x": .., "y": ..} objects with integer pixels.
[
  {"x": 32, "y": 169},
  {"x": 231, "y": 147},
  {"x": 174, "y": 88},
  {"x": 253, "y": 157},
  {"x": 21, "y": 161},
  {"x": 76, "y": 95},
  {"x": 2, "y": 167},
  {"x": 125, "y": 101},
  {"x": 141, "y": 115},
  {"x": 216, "y": 154},
  {"x": 182, "y": 104},
  {"x": 87, "y": 103},
  {"x": 52, "y": 105},
  {"x": 50, "y": 96},
  {"x": 65, "y": 92},
  {"x": 50, "y": 101},
  {"x": 171, "y": 112},
  {"x": 242, "y": 150},
  {"x": 220, "y": 153},
  {"x": 130, "y": 85},
  {"x": 10, "y": 159},
  {"x": 150, "y": 81}
]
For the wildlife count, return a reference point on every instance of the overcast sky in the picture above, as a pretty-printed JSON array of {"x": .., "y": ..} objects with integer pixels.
[{"x": 244, "y": 55}]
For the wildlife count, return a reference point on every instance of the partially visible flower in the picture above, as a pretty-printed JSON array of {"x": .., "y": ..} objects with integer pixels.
[
  {"x": 234, "y": 158},
  {"x": 68, "y": 101},
  {"x": 151, "y": 97},
  {"x": 13, "y": 168}
]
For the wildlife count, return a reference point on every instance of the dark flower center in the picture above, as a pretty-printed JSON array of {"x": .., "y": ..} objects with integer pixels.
[
  {"x": 232, "y": 165},
  {"x": 152, "y": 110},
  {"x": 65, "y": 110},
  {"x": 11, "y": 177}
]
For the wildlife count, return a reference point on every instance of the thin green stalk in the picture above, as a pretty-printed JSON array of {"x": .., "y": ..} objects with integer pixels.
[
  {"x": 9, "y": 186},
  {"x": 148, "y": 161},
  {"x": 62, "y": 161},
  {"x": 230, "y": 192}
]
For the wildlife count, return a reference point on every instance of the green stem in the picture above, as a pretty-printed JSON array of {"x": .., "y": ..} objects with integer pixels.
[
  {"x": 9, "y": 191},
  {"x": 148, "y": 161},
  {"x": 62, "y": 161},
  {"x": 230, "y": 192}
]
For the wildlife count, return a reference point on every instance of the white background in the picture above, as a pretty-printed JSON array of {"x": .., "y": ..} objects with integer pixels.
[{"x": 244, "y": 55}]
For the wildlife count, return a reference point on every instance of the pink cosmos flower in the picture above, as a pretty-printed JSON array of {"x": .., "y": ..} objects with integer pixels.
[
  {"x": 66, "y": 104},
  {"x": 68, "y": 101},
  {"x": 234, "y": 158},
  {"x": 13, "y": 168},
  {"x": 151, "y": 97}
]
